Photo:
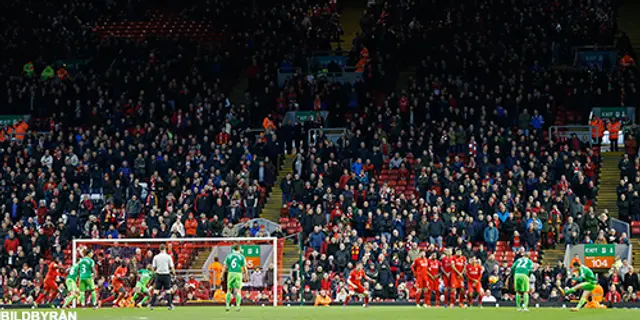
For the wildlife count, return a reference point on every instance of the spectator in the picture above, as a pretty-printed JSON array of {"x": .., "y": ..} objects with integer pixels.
[{"x": 491, "y": 237}]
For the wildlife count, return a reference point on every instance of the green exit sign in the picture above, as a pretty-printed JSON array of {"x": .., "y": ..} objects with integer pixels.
[
  {"x": 599, "y": 250},
  {"x": 251, "y": 251}
]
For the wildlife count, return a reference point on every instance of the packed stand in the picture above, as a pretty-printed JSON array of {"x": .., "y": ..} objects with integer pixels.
[
  {"x": 460, "y": 158},
  {"x": 139, "y": 141}
]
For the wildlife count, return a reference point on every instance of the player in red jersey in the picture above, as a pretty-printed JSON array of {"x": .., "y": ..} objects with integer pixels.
[
  {"x": 457, "y": 277},
  {"x": 419, "y": 268},
  {"x": 117, "y": 284},
  {"x": 474, "y": 275},
  {"x": 433, "y": 270},
  {"x": 355, "y": 284},
  {"x": 50, "y": 285},
  {"x": 447, "y": 269}
]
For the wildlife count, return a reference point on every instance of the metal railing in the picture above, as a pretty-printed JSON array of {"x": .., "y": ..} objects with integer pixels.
[
  {"x": 583, "y": 132},
  {"x": 332, "y": 134}
]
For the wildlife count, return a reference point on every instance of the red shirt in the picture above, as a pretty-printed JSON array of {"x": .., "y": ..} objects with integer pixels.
[
  {"x": 356, "y": 276},
  {"x": 419, "y": 267},
  {"x": 121, "y": 272},
  {"x": 52, "y": 272},
  {"x": 474, "y": 272},
  {"x": 447, "y": 264},
  {"x": 434, "y": 266},
  {"x": 613, "y": 297},
  {"x": 459, "y": 263}
]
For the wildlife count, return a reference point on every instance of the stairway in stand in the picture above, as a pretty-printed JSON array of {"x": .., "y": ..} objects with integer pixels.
[
  {"x": 629, "y": 23},
  {"x": 350, "y": 22},
  {"x": 635, "y": 253},
  {"x": 271, "y": 211},
  {"x": 609, "y": 180},
  {"x": 552, "y": 256}
]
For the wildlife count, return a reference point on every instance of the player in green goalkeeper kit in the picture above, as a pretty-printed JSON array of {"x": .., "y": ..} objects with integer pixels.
[
  {"x": 142, "y": 286},
  {"x": 236, "y": 265},
  {"x": 86, "y": 267},
  {"x": 72, "y": 287},
  {"x": 587, "y": 281},
  {"x": 521, "y": 269}
]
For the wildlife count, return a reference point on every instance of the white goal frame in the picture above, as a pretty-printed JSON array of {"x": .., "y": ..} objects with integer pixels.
[{"x": 273, "y": 240}]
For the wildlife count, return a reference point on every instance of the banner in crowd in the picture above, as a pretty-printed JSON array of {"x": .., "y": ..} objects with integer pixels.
[
  {"x": 10, "y": 119},
  {"x": 596, "y": 59},
  {"x": 598, "y": 256}
]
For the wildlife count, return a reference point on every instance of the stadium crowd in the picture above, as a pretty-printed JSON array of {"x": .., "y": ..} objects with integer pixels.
[{"x": 142, "y": 141}]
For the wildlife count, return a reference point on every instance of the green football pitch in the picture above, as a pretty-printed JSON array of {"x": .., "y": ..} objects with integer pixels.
[{"x": 351, "y": 313}]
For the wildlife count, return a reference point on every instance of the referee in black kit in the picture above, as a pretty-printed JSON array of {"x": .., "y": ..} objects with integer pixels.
[{"x": 163, "y": 266}]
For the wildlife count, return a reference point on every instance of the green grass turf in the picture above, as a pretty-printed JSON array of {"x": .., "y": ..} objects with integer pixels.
[{"x": 351, "y": 313}]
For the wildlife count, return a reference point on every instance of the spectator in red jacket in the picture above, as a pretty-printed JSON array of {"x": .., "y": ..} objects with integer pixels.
[
  {"x": 613, "y": 296},
  {"x": 11, "y": 243}
]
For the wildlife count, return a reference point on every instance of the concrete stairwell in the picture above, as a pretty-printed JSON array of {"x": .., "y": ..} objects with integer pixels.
[
  {"x": 271, "y": 211},
  {"x": 273, "y": 204},
  {"x": 635, "y": 253},
  {"x": 609, "y": 180},
  {"x": 552, "y": 256},
  {"x": 201, "y": 258},
  {"x": 628, "y": 22},
  {"x": 350, "y": 22}
]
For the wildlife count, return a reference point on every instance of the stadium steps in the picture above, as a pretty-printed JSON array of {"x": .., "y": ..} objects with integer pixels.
[
  {"x": 609, "y": 180},
  {"x": 635, "y": 252},
  {"x": 238, "y": 91},
  {"x": 350, "y": 22},
  {"x": 290, "y": 255},
  {"x": 552, "y": 256},
  {"x": 273, "y": 205},
  {"x": 629, "y": 23},
  {"x": 200, "y": 259}
]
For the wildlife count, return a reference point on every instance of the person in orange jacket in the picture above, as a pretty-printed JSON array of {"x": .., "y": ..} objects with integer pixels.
[
  {"x": 322, "y": 299},
  {"x": 613, "y": 126},
  {"x": 597, "y": 129},
  {"x": 268, "y": 124}
]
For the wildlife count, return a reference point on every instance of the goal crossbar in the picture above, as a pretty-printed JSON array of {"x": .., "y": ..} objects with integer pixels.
[{"x": 272, "y": 240}]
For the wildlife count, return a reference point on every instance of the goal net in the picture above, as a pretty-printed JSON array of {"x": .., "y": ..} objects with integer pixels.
[{"x": 198, "y": 263}]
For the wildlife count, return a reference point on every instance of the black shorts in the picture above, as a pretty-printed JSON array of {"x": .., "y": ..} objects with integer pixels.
[{"x": 163, "y": 282}]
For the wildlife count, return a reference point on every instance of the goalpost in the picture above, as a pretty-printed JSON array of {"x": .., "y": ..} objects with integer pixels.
[{"x": 198, "y": 259}]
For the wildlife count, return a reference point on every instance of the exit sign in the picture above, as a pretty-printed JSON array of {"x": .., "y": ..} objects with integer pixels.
[
  {"x": 599, "y": 250},
  {"x": 599, "y": 256}
]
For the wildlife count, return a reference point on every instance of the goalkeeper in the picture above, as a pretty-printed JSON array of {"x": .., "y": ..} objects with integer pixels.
[
  {"x": 587, "y": 282},
  {"x": 142, "y": 286},
  {"x": 71, "y": 284},
  {"x": 236, "y": 266},
  {"x": 521, "y": 269}
]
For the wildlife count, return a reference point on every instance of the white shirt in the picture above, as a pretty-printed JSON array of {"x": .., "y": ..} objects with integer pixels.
[{"x": 162, "y": 263}]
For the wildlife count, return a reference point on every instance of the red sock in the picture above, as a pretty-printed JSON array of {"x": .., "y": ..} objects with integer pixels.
[
  {"x": 111, "y": 298},
  {"x": 366, "y": 300},
  {"x": 453, "y": 296},
  {"x": 427, "y": 297},
  {"x": 436, "y": 296},
  {"x": 461, "y": 297},
  {"x": 346, "y": 301},
  {"x": 479, "y": 299},
  {"x": 40, "y": 298},
  {"x": 446, "y": 296},
  {"x": 418, "y": 294}
]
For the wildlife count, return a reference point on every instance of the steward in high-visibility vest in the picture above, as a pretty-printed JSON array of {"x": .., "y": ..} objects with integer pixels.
[
  {"x": 597, "y": 128},
  {"x": 613, "y": 126}
]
